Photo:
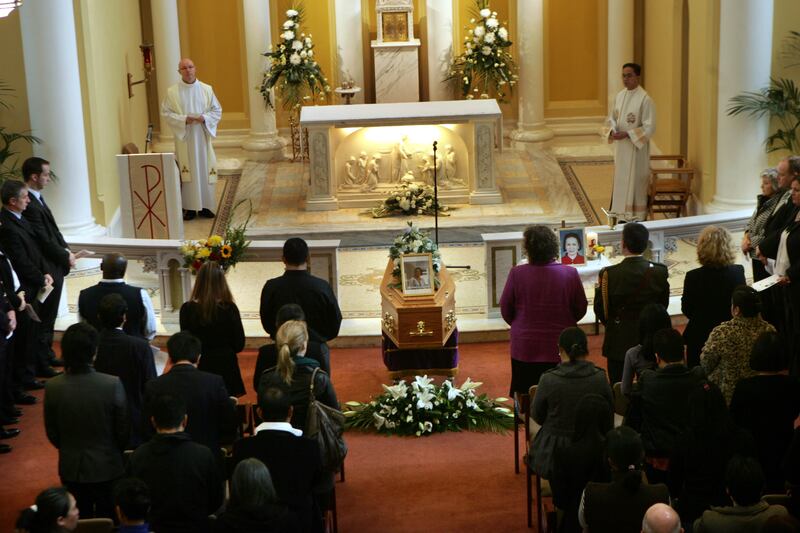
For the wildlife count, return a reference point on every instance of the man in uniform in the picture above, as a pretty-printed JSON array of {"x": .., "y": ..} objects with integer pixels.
[
  {"x": 623, "y": 290},
  {"x": 193, "y": 113}
]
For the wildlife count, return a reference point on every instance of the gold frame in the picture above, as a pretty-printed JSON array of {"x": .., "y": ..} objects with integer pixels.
[{"x": 416, "y": 259}]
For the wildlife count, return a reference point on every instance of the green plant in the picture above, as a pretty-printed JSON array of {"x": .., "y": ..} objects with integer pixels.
[
  {"x": 8, "y": 139},
  {"x": 780, "y": 101}
]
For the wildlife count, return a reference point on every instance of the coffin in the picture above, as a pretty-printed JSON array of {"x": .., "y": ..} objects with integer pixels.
[{"x": 414, "y": 322}]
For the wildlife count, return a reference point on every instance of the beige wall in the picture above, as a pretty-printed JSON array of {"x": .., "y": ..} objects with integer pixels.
[
  {"x": 662, "y": 69},
  {"x": 786, "y": 19},
  {"x": 12, "y": 73},
  {"x": 107, "y": 51},
  {"x": 576, "y": 53}
]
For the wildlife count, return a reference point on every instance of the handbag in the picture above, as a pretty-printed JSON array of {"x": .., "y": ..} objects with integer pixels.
[{"x": 325, "y": 425}]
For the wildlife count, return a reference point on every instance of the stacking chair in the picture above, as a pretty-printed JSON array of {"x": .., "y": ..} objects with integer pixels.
[
  {"x": 670, "y": 187},
  {"x": 620, "y": 405},
  {"x": 330, "y": 520},
  {"x": 522, "y": 406},
  {"x": 542, "y": 525},
  {"x": 95, "y": 525}
]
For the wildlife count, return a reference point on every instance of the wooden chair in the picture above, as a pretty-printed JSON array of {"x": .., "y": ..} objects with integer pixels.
[
  {"x": 246, "y": 423},
  {"x": 330, "y": 520},
  {"x": 670, "y": 187},
  {"x": 542, "y": 525},
  {"x": 95, "y": 525},
  {"x": 620, "y": 404},
  {"x": 522, "y": 407}
]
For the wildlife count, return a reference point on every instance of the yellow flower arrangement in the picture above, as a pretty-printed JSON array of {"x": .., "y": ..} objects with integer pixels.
[
  {"x": 214, "y": 240},
  {"x": 226, "y": 251}
]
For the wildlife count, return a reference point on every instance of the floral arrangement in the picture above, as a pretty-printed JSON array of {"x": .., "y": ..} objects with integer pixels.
[
  {"x": 486, "y": 67},
  {"x": 410, "y": 198},
  {"x": 414, "y": 241},
  {"x": 422, "y": 408},
  {"x": 227, "y": 250},
  {"x": 293, "y": 70}
]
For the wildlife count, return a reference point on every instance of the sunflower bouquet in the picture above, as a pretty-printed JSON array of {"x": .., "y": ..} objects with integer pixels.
[{"x": 227, "y": 250}]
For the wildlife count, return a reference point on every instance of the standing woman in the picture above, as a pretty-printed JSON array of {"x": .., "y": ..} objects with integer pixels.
[
  {"x": 756, "y": 226},
  {"x": 707, "y": 290},
  {"x": 539, "y": 301},
  {"x": 787, "y": 266},
  {"x": 212, "y": 316}
]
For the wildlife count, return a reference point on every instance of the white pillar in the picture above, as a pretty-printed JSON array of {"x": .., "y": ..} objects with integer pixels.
[
  {"x": 263, "y": 142},
  {"x": 620, "y": 43},
  {"x": 350, "y": 48},
  {"x": 745, "y": 59},
  {"x": 56, "y": 111},
  {"x": 167, "y": 49},
  {"x": 530, "y": 55},
  {"x": 440, "y": 48}
]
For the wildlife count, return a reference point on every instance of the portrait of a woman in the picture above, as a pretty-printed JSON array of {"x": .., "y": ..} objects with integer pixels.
[{"x": 571, "y": 250}]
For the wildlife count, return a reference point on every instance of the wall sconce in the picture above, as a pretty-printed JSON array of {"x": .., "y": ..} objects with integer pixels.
[
  {"x": 147, "y": 56},
  {"x": 7, "y": 6}
]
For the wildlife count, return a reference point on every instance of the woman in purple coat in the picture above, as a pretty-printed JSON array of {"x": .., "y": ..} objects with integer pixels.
[{"x": 539, "y": 301}]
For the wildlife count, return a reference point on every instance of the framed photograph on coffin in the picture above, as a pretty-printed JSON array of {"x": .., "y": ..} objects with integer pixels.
[
  {"x": 416, "y": 274},
  {"x": 572, "y": 242}
]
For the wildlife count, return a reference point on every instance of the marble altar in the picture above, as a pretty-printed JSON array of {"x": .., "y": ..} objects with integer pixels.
[
  {"x": 358, "y": 153},
  {"x": 396, "y": 53}
]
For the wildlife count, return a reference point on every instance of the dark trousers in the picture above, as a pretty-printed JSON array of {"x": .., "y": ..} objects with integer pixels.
[
  {"x": 615, "y": 370},
  {"x": 6, "y": 385},
  {"x": 94, "y": 500},
  {"x": 24, "y": 350},
  {"x": 48, "y": 311}
]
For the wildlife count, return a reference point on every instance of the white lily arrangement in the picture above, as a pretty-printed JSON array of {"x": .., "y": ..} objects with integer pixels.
[
  {"x": 422, "y": 408},
  {"x": 486, "y": 68},
  {"x": 410, "y": 198},
  {"x": 293, "y": 71},
  {"x": 414, "y": 241}
]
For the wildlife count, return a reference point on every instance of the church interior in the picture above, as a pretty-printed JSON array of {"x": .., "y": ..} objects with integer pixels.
[{"x": 88, "y": 78}]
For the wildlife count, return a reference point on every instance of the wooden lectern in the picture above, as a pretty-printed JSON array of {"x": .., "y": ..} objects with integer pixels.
[{"x": 419, "y": 332}]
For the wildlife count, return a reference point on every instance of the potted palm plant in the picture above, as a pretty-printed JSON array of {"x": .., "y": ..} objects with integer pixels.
[{"x": 9, "y": 140}]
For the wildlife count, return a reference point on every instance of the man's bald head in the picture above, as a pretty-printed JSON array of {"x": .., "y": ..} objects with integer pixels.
[
  {"x": 114, "y": 266},
  {"x": 661, "y": 518},
  {"x": 187, "y": 70}
]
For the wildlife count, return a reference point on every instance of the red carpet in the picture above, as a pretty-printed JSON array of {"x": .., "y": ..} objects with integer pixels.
[{"x": 445, "y": 482}]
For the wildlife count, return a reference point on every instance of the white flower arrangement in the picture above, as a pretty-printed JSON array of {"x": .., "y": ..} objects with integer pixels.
[
  {"x": 491, "y": 72},
  {"x": 414, "y": 241},
  {"x": 423, "y": 408},
  {"x": 409, "y": 198},
  {"x": 291, "y": 71}
]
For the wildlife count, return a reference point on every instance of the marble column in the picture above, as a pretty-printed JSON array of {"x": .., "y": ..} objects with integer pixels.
[
  {"x": 531, "y": 126},
  {"x": 745, "y": 59},
  {"x": 350, "y": 46},
  {"x": 440, "y": 48},
  {"x": 167, "y": 49},
  {"x": 620, "y": 43},
  {"x": 55, "y": 106},
  {"x": 263, "y": 142}
]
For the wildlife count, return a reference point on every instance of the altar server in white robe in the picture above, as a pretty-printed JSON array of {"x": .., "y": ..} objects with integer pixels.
[
  {"x": 192, "y": 111},
  {"x": 631, "y": 124}
]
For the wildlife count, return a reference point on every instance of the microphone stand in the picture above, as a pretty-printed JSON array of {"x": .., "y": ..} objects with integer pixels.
[
  {"x": 149, "y": 137},
  {"x": 435, "y": 198}
]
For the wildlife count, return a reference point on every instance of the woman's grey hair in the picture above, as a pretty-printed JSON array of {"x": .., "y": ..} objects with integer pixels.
[
  {"x": 772, "y": 174},
  {"x": 251, "y": 485}
]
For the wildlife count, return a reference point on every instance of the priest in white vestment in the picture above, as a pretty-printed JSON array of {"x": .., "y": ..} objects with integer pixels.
[
  {"x": 631, "y": 124},
  {"x": 192, "y": 111}
]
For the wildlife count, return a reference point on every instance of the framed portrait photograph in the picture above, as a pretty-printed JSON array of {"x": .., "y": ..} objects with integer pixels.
[
  {"x": 416, "y": 274},
  {"x": 572, "y": 246}
]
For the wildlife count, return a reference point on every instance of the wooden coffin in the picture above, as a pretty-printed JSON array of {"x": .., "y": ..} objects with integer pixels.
[{"x": 413, "y": 322}]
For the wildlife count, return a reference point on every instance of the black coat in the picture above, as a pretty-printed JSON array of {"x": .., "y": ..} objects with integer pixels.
[
  {"x": 296, "y": 468},
  {"x": 663, "y": 401},
  {"x": 18, "y": 241},
  {"x": 706, "y": 302},
  {"x": 268, "y": 357},
  {"x": 212, "y": 417},
  {"x": 86, "y": 418},
  {"x": 629, "y": 286},
  {"x": 775, "y": 225},
  {"x": 131, "y": 360},
  {"x": 573, "y": 467},
  {"x": 52, "y": 244},
  {"x": 136, "y": 316},
  {"x": 184, "y": 481},
  {"x": 312, "y": 294},
  {"x": 611, "y": 507},
  {"x": 222, "y": 340},
  {"x": 271, "y": 518}
]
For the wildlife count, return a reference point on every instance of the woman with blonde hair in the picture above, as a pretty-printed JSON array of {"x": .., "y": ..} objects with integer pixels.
[
  {"x": 707, "y": 290},
  {"x": 294, "y": 370},
  {"x": 212, "y": 316}
]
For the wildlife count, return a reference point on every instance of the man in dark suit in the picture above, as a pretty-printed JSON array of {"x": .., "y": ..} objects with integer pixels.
[
  {"x": 55, "y": 251},
  {"x": 86, "y": 418},
  {"x": 293, "y": 461},
  {"x": 183, "y": 476},
  {"x": 18, "y": 241},
  {"x": 8, "y": 323},
  {"x": 212, "y": 416},
  {"x": 663, "y": 397},
  {"x": 312, "y": 294},
  {"x": 140, "y": 320},
  {"x": 623, "y": 290},
  {"x": 125, "y": 356}
]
